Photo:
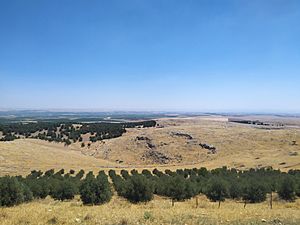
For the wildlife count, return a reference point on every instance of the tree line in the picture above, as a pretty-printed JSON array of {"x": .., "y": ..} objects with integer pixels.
[
  {"x": 67, "y": 132},
  {"x": 250, "y": 186}
]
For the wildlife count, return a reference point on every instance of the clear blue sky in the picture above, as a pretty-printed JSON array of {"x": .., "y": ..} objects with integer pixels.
[{"x": 201, "y": 55}]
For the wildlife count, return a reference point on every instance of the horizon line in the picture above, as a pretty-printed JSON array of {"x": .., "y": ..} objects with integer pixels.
[{"x": 99, "y": 110}]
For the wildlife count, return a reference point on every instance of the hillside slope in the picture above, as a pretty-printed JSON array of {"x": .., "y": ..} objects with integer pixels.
[
  {"x": 174, "y": 144},
  {"x": 179, "y": 140}
]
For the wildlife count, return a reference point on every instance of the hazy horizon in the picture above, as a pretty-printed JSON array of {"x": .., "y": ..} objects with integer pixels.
[
  {"x": 95, "y": 110},
  {"x": 192, "y": 56}
]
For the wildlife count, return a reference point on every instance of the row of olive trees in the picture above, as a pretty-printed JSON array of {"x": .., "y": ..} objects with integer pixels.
[
  {"x": 250, "y": 186},
  {"x": 60, "y": 186}
]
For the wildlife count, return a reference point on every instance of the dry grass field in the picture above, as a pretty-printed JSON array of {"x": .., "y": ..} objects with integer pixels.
[
  {"x": 23, "y": 155},
  {"x": 239, "y": 146},
  {"x": 159, "y": 211}
]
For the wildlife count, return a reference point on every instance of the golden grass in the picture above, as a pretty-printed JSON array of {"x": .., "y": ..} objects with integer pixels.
[
  {"x": 23, "y": 155},
  {"x": 158, "y": 211},
  {"x": 239, "y": 146}
]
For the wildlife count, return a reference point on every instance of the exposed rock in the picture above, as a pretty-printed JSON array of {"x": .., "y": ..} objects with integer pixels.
[
  {"x": 187, "y": 136},
  {"x": 156, "y": 157},
  {"x": 192, "y": 142},
  {"x": 294, "y": 143},
  {"x": 147, "y": 140},
  {"x": 293, "y": 153},
  {"x": 178, "y": 158},
  {"x": 142, "y": 138},
  {"x": 211, "y": 148},
  {"x": 150, "y": 145},
  {"x": 162, "y": 144}
]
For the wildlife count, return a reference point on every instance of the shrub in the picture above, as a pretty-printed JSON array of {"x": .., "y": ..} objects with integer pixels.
[
  {"x": 148, "y": 216},
  {"x": 67, "y": 142},
  {"x": 9, "y": 137}
]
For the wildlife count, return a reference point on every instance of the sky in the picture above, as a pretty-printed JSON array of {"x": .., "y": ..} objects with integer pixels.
[{"x": 166, "y": 55}]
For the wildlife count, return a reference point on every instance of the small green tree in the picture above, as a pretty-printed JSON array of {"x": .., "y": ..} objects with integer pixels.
[
  {"x": 112, "y": 173},
  {"x": 27, "y": 193},
  {"x": 235, "y": 189},
  {"x": 49, "y": 173},
  {"x": 39, "y": 188},
  {"x": 63, "y": 189},
  {"x": 147, "y": 173},
  {"x": 138, "y": 189},
  {"x": 254, "y": 192},
  {"x": 95, "y": 190},
  {"x": 11, "y": 191},
  {"x": 80, "y": 174},
  {"x": 125, "y": 174},
  {"x": 176, "y": 187},
  {"x": 298, "y": 187},
  {"x": 286, "y": 190},
  {"x": 216, "y": 190}
]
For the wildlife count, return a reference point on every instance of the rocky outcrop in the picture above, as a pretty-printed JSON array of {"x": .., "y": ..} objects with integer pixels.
[
  {"x": 146, "y": 140},
  {"x": 178, "y": 134},
  {"x": 156, "y": 157},
  {"x": 211, "y": 148}
]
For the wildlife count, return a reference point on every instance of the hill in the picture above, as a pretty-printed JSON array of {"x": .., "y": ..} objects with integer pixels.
[{"x": 174, "y": 143}]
